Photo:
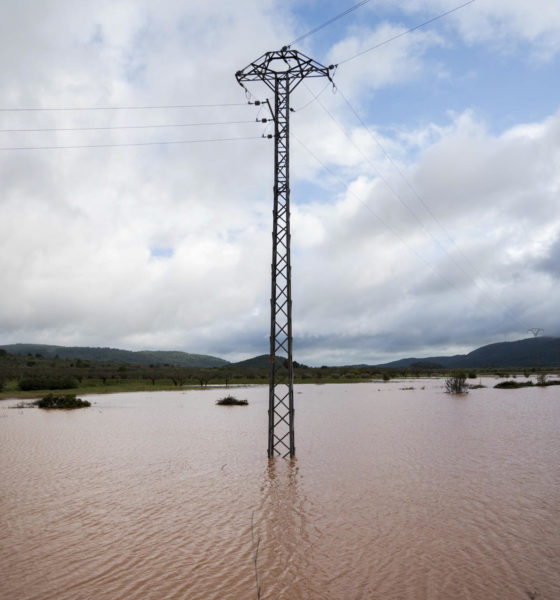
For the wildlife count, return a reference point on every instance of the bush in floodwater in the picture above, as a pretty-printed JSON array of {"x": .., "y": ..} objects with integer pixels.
[
  {"x": 231, "y": 401},
  {"x": 66, "y": 401},
  {"x": 457, "y": 383},
  {"x": 512, "y": 385}
]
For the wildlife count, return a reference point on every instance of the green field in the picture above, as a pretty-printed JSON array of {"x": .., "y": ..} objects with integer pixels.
[{"x": 34, "y": 375}]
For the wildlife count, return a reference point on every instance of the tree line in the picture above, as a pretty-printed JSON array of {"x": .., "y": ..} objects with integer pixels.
[{"x": 34, "y": 372}]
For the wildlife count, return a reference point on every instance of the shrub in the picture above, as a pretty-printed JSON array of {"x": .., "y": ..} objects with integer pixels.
[
  {"x": 511, "y": 385},
  {"x": 456, "y": 384},
  {"x": 231, "y": 401},
  {"x": 65, "y": 401}
]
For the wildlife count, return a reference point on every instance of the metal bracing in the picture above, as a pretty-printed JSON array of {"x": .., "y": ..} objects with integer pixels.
[{"x": 282, "y": 72}]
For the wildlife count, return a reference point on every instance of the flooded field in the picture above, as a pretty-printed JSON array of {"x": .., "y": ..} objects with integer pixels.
[{"x": 395, "y": 494}]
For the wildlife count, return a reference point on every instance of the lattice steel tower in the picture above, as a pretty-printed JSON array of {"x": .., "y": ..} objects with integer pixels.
[{"x": 282, "y": 71}]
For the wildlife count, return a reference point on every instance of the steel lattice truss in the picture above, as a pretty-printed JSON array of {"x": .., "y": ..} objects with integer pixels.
[{"x": 282, "y": 72}]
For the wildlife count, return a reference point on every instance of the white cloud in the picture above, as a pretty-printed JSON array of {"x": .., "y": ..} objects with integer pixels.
[
  {"x": 504, "y": 24},
  {"x": 394, "y": 63},
  {"x": 81, "y": 228},
  {"x": 494, "y": 195}
]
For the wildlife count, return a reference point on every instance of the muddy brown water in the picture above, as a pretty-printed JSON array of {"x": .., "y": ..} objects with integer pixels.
[{"x": 394, "y": 494}]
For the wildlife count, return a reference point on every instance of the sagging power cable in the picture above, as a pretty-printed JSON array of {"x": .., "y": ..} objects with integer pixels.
[
  {"x": 160, "y": 143},
  {"x": 402, "y": 33},
  {"x": 124, "y": 127},
  {"x": 85, "y": 108},
  {"x": 326, "y": 23}
]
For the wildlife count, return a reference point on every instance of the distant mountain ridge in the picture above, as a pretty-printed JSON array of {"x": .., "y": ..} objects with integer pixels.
[
  {"x": 530, "y": 352},
  {"x": 142, "y": 357}
]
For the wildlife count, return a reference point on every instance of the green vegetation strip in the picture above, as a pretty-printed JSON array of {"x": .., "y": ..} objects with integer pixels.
[
  {"x": 511, "y": 385},
  {"x": 33, "y": 375}
]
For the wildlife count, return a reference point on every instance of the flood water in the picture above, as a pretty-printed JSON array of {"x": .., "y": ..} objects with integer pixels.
[{"x": 394, "y": 494}]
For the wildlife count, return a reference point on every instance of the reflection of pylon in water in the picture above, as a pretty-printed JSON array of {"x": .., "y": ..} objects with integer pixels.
[{"x": 282, "y": 71}]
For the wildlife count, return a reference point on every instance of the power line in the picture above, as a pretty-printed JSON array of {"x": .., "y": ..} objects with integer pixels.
[
  {"x": 300, "y": 108},
  {"x": 332, "y": 20},
  {"x": 84, "y": 108},
  {"x": 376, "y": 170},
  {"x": 131, "y": 144},
  {"x": 405, "y": 32},
  {"x": 383, "y": 222},
  {"x": 428, "y": 210},
  {"x": 426, "y": 262},
  {"x": 407, "y": 181},
  {"x": 398, "y": 197},
  {"x": 124, "y": 127}
]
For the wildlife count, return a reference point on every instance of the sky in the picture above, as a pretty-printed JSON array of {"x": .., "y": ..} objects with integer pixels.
[{"x": 425, "y": 184}]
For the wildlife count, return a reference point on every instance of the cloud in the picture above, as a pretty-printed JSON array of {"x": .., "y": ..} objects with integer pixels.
[
  {"x": 383, "y": 270},
  {"x": 507, "y": 25},
  {"x": 391, "y": 64},
  {"x": 168, "y": 246},
  {"x": 550, "y": 263}
]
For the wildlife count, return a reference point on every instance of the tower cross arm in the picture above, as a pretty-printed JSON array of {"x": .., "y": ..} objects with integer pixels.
[{"x": 286, "y": 62}]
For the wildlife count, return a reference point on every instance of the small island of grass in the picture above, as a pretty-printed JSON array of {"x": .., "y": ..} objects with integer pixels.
[
  {"x": 66, "y": 401},
  {"x": 231, "y": 401}
]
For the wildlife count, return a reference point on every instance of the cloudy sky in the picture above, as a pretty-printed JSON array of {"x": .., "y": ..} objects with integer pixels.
[{"x": 425, "y": 188}]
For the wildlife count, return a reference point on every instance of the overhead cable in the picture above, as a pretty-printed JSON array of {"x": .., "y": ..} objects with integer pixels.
[
  {"x": 402, "y": 33},
  {"x": 487, "y": 291},
  {"x": 37, "y": 109},
  {"x": 161, "y": 143},
  {"x": 332, "y": 20},
  {"x": 407, "y": 207},
  {"x": 124, "y": 127},
  {"x": 382, "y": 221}
]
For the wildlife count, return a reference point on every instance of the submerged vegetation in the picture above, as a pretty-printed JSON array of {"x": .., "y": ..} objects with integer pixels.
[
  {"x": 66, "y": 401},
  {"x": 457, "y": 383},
  {"x": 511, "y": 385},
  {"x": 542, "y": 381},
  {"x": 231, "y": 401}
]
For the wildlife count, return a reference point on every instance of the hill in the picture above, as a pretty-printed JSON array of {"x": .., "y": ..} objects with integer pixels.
[
  {"x": 530, "y": 352},
  {"x": 143, "y": 357},
  {"x": 257, "y": 362},
  {"x": 262, "y": 362}
]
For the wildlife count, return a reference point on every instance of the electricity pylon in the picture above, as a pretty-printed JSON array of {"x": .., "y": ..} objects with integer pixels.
[{"x": 282, "y": 71}]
